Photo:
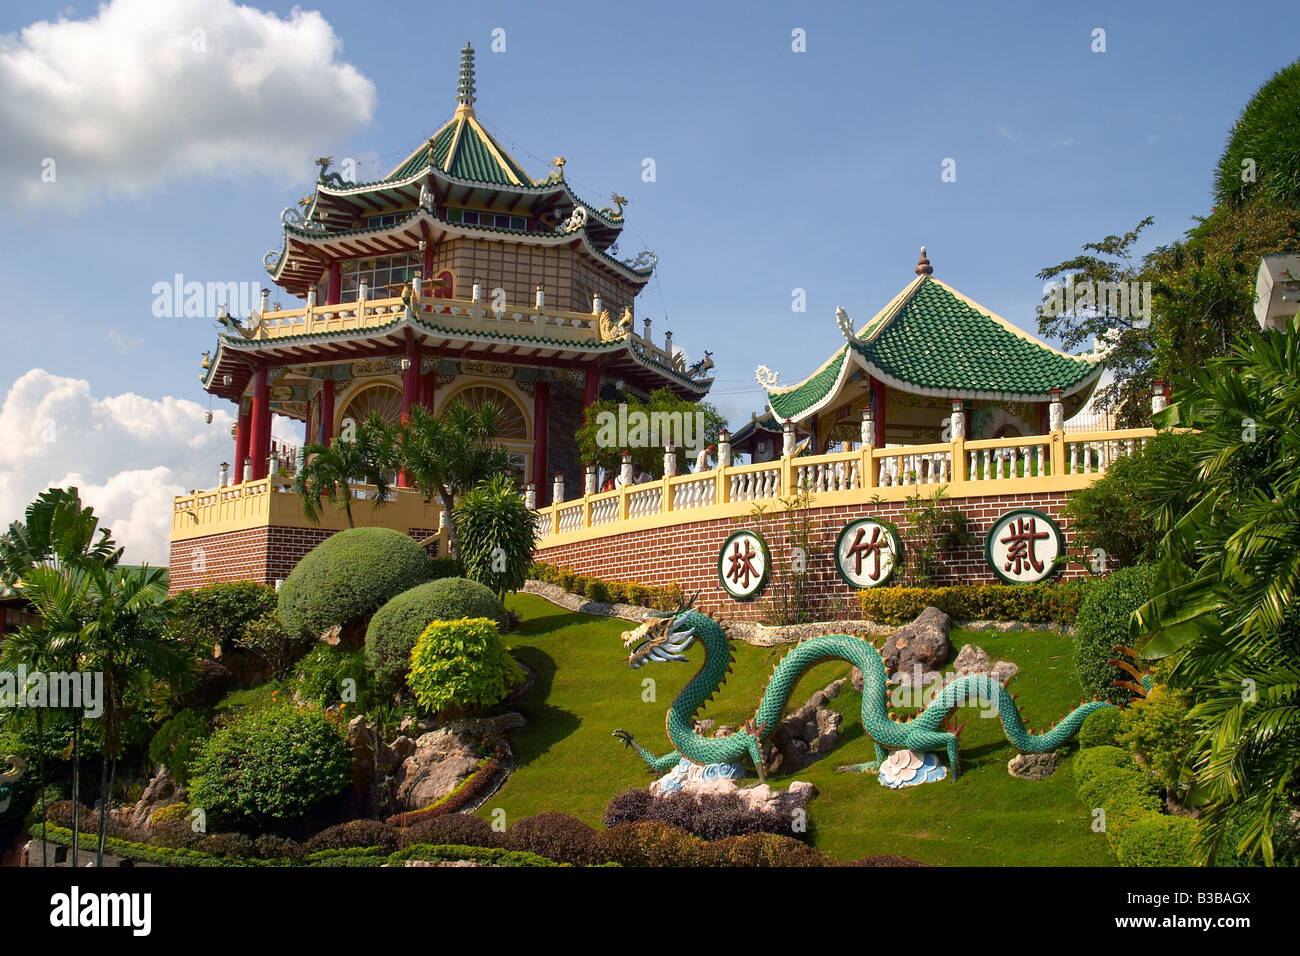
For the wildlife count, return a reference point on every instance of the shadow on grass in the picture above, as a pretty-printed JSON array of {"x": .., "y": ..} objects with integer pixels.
[{"x": 547, "y": 724}]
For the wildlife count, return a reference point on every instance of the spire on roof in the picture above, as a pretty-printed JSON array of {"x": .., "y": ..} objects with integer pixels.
[
  {"x": 465, "y": 88},
  {"x": 923, "y": 267}
]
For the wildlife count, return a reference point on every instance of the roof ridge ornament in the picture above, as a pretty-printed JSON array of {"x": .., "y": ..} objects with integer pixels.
[
  {"x": 846, "y": 325},
  {"x": 465, "y": 88},
  {"x": 766, "y": 377},
  {"x": 923, "y": 267}
]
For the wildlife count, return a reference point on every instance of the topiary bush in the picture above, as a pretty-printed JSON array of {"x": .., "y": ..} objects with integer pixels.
[
  {"x": 216, "y": 614},
  {"x": 761, "y": 849},
  {"x": 559, "y": 837},
  {"x": 1267, "y": 136},
  {"x": 1102, "y": 625},
  {"x": 271, "y": 764},
  {"x": 397, "y": 625},
  {"x": 709, "y": 816},
  {"x": 355, "y": 833},
  {"x": 463, "y": 829},
  {"x": 460, "y": 666},
  {"x": 323, "y": 677},
  {"x": 349, "y": 576},
  {"x": 1100, "y": 728},
  {"x": 1156, "y": 840},
  {"x": 1091, "y": 759},
  {"x": 177, "y": 743},
  {"x": 652, "y": 843},
  {"x": 1156, "y": 729}
]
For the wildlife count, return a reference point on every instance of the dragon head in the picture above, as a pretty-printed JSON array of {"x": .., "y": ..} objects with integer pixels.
[{"x": 663, "y": 636}]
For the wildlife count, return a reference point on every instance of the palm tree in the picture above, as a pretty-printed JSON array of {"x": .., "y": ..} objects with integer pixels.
[
  {"x": 126, "y": 641},
  {"x": 448, "y": 454},
  {"x": 45, "y": 558},
  {"x": 327, "y": 471},
  {"x": 1226, "y": 611}
]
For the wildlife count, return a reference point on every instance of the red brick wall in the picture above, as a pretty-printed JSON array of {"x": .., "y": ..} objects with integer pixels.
[
  {"x": 259, "y": 554},
  {"x": 688, "y": 553}
]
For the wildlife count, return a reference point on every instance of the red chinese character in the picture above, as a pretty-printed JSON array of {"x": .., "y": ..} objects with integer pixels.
[
  {"x": 860, "y": 550},
  {"x": 742, "y": 565},
  {"x": 1022, "y": 535}
]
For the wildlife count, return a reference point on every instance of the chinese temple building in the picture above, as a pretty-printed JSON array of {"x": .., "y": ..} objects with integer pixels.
[
  {"x": 929, "y": 352},
  {"x": 456, "y": 276}
]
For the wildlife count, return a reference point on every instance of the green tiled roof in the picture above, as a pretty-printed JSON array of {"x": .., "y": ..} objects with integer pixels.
[
  {"x": 473, "y": 158},
  {"x": 788, "y": 404},
  {"x": 937, "y": 340}
]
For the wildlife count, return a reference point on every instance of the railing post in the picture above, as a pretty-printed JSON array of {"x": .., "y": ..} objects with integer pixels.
[
  {"x": 957, "y": 473},
  {"x": 722, "y": 491}
]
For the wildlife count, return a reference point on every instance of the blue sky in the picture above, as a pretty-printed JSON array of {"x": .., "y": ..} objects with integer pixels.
[{"x": 775, "y": 170}]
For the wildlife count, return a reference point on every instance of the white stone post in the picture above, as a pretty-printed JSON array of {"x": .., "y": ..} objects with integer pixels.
[
  {"x": 668, "y": 344},
  {"x": 1056, "y": 412},
  {"x": 225, "y": 475},
  {"x": 530, "y": 496},
  {"x": 595, "y": 303},
  {"x": 539, "y": 298},
  {"x": 670, "y": 460},
  {"x": 625, "y": 468},
  {"x": 311, "y": 298},
  {"x": 248, "y": 469},
  {"x": 787, "y": 439},
  {"x": 477, "y": 292},
  {"x": 363, "y": 293},
  {"x": 958, "y": 420},
  {"x": 589, "y": 481},
  {"x": 272, "y": 465},
  {"x": 646, "y": 338},
  {"x": 266, "y": 301},
  {"x": 724, "y": 449},
  {"x": 557, "y": 489},
  {"x": 868, "y": 428},
  {"x": 1159, "y": 396}
]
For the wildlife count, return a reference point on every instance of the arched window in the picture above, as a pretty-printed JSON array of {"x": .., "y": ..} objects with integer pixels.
[
  {"x": 380, "y": 397},
  {"x": 512, "y": 423},
  {"x": 444, "y": 287}
]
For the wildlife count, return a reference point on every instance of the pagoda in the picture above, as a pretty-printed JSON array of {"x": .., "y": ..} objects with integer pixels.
[
  {"x": 929, "y": 352},
  {"x": 456, "y": 276}
]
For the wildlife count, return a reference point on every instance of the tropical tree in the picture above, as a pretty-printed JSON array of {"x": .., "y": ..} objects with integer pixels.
[
  {"x": 449, "y": 453},
  {"x": 369, "y": 456},
  {"x": 599, "y": 444},
  {"x": 45, "y": 557},
  {"x": 1226, "y": 610},
  {"x": 497, "y": 534}
]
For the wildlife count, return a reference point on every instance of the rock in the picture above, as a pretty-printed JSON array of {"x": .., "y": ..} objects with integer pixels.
[
  {"x": 723, "y": 730},
  {"x": 923, "y": 643},
  {"x": 855, "y": 679},
  {"x": 702, "y": 727},
  {"x": 807, "y": 733},
  {"x": 162, "y": 791},
  {"x": 442, "y": 760},
  {"x": 1034, "y": 766},
  {"x": 971, "y": 659},
  {"x": 1003, "y": 671}
]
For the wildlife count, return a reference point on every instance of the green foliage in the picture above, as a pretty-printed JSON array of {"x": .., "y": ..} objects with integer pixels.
[
  {"x": 177, "y": 742},
  {"x": 1123, "y": 513},
  {"x": 1091, "y": 759},
  {"x": 397, "y": 625},
  {"x": 273, "y": 764},
  {"x": 598, "y": 443},
  {"x": 1103, "y": 625},
  {"x": 1156, "y": 840},
  {"x": 217, "y": 614},
  {"x": 446, "y": 568},
  {"x": 488, "y": 856},
  {"x": 369, "y": 457},
  {"x": 1156, "y": 729},
  {"x": 791, "y": 597},
  {"x": 349, "y": 576},
  {"x": 598, "y": 591},
  {"x": 496, "y": 533},
  {"x": 323, "y": 676},
  {"x": 1055, "y": 602},
  {"x": 931, "y": 533},
  {"x": 462, "y": 665},
  {"x": 663, "y": 598},
  {"x": 267, "y": 637},
  {"x": 1100, "y": 729},
  {"x": 1267, "y": 139}
]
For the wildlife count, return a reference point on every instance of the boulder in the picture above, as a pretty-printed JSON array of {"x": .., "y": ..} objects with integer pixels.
[
  {"x": 923, "y": 643},
  {"x": 441, "y": 761},
  {"x": 1034, "y": 766},
  {"x": 806, "y": 734},
  {"x": 162, "y": 791},
  {"x": 973, "y": 659}
]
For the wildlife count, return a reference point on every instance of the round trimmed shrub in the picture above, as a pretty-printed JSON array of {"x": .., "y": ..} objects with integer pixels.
[
  {"x": 1089, "y": 760},
  {"x": 558, "y": 837},
  {"x": 1265, "y": 134},
  {"x": 355, "y": 834},
  {"x": 1102, "y": 625},
  {"x": 460, "y": 666},
  {"x": 349, "y": 576},
  {"x": 452, "y": 829},
  {"x": 651, "y": 843},
  {"x": 271, "y": 764},
  {"x": 1102, "y": 784},
  {"x": 397, "y": 625},
  {"x": 1156, "y": 840},
  {"x": 1100, "y": 728}
]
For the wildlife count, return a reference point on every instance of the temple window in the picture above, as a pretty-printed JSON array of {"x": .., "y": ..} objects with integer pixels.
[
  {"x": 378, "y": 222},
  {"x": 384, "y": 275},
  {"x": 472, "y": 217}
]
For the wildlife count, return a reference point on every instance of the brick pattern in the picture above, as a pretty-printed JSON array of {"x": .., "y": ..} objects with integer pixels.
[
  {"x": 688, "y": 554},
  {"x": 265, "y": 555}
]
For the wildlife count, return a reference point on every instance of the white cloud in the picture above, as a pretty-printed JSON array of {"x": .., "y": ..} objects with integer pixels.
[
  {"x": 127, "y": 454},
  {"x": 1006, "y": 133},
  {"x": 146, "y": 92}
]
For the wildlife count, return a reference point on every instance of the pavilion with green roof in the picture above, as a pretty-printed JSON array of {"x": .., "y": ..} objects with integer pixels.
[{"x": 929, "y": 347}]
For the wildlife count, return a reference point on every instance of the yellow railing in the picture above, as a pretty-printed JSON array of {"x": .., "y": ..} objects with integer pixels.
[
  {"x": 1035, "y": 463},
  {"x": 271, "y": 502},
  {"x": 462, "y": 314}
]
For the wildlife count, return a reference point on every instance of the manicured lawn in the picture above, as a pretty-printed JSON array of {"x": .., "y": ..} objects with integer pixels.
[{"x": 569, "y": 763}]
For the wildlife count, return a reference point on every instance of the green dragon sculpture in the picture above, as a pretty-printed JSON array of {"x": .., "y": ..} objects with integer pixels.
[{"x": 667, "y": 637}]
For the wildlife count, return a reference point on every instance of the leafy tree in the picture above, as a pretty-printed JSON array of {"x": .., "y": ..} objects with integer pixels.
[
  {"x": 1262, "y": 157},
  {"x": 1230, "y": 623},
  {"x": 448, "y": 454},
  {"x": 497, "y": 535},
  {"x": 595, "y": 449},
  {"x": 369, "y": 457},
  {"x": 217, "y": 614}
]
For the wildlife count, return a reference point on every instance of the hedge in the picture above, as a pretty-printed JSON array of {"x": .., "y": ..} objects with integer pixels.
[
  {"x": 216, "y": 614},
  {"x": 1137, "y": 830},
  {"x": 663, "y": 598},
  {"x": 1156, "y": 840},
  {"x": 1050, "y": 602},
  {"x": 491, "y": 856},
  {"x": 397, "y": 625},
  {"x": 348, "y": 577},
  {"x": 1103, "y": 625},
  {"x": 1100, "y": 728}
]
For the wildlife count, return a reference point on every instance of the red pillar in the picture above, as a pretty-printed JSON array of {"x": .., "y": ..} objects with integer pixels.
[
  {"x": 327, "y": 412},
  {"x": 335, "y": 290},
  {"x": 260, "y": 439},
  {"x": 881, "y": 400},
  {"x": 591, "y": 389},
  {"x": 541, "y": 423},
  {"x": 242, "y": 425},
  {"x": 1044, "y": 418}
]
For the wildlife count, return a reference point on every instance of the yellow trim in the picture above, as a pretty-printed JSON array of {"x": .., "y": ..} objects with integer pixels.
[
  {"x": 498, "y": 153},
  {"x": 455, "y": 141}
]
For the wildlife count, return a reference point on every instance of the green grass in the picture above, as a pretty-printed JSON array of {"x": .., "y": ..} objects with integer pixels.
[{"x": 569, "y": 763}]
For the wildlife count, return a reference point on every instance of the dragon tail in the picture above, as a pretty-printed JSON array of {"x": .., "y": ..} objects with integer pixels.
[
  {"x": 1051, "y": 738},
  {"x": 657, "y": 764}
]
